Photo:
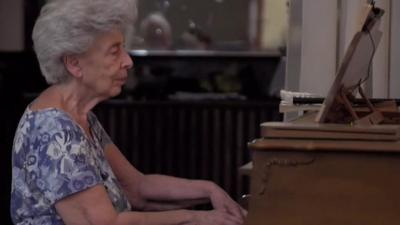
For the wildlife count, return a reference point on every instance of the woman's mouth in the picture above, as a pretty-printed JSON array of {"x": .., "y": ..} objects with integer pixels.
[{"x": 121, "y": 81}]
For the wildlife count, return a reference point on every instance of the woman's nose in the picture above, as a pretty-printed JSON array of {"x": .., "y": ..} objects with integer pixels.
[{"x": 127, "y": 62}]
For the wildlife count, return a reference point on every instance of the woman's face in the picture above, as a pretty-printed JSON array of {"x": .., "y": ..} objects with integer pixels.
[{"x": 105, "y": 65}]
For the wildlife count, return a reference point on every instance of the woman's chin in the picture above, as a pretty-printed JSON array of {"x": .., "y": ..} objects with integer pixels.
[{"x": 115, "y": 91}]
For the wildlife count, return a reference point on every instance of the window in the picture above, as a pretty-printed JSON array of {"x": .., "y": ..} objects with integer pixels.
[{"x": 208, "y": 24}]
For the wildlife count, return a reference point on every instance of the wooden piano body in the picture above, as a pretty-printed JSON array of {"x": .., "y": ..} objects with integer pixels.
[
  {"x": 346, "y": 172},
  {"x": 298, "y": 181},
  {"x": 342, "y": 169}
]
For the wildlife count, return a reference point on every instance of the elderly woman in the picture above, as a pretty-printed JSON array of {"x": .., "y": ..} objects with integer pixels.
[{"x": 66, "y": 170}]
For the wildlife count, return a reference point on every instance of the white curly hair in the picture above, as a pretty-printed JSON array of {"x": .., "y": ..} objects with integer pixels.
[{"x": 67, "y": 27}]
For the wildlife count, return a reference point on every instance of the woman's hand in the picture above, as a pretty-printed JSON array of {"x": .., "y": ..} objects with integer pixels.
[
  {"x": 215, "y": 217},
  {"x": 223, "y": 203}
]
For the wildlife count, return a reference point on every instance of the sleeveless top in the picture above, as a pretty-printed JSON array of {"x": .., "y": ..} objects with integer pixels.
[{"x": 53, "y": 158}]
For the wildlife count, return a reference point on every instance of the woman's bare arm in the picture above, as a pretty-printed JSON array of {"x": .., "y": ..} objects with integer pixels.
[
  {"x": 92, "y": 206},
  {"x": 146, "y": 191}
]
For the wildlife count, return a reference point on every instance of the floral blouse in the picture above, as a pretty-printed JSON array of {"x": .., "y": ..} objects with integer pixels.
[{"x": 53, "y": 158}]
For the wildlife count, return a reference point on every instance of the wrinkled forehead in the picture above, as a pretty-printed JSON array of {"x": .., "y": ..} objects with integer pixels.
[{"x": 106, "y": 40}]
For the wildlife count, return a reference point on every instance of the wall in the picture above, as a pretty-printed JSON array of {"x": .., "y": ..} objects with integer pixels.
[
  {"x": 394, "y": 78},
  {"x": 381, "y": 69},
  {"x": 314, "y": 54},
  {"x": 318, "y": 45},
  {"x": 11, "y": 25},
  {"x": 312, "y": 46}
]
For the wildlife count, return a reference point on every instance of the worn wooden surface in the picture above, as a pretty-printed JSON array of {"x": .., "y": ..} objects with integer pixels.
[
  {"x": 330, "y": 131},
  {"x": 300, "y": 182}
]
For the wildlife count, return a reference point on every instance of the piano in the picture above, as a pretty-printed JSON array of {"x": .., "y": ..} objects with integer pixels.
[{"x": 339, "y": 166}]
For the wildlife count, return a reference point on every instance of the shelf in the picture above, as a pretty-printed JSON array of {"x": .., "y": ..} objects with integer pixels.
[{"x": 205, "y": 54}]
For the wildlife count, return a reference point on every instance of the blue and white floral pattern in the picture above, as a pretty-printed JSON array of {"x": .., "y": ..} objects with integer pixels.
[{"x": 53, "y": 158}]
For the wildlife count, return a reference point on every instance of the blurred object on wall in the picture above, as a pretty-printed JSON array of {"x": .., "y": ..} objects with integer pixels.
[
  {"x": 156, "y": 32},
  {"x": 195, "y": 38},
  {"x": 199, "y": 25},
  {"x": 234, "y": 25},
  {"x": 274, "y": 24}
]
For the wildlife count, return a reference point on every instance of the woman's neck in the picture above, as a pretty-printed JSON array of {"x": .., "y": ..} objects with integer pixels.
[
  {"x": 69, "y": 97},
  {"x": 76, "y": 100}
]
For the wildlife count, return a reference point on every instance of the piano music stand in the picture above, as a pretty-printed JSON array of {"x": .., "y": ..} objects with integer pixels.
[{"x": 354, "y": 70}]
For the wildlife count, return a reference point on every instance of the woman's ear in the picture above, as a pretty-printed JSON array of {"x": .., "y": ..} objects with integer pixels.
[{"x": 71, "y": 63}]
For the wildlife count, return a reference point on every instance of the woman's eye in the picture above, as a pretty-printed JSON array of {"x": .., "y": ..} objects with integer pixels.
[{"x": 114, "y": 51}]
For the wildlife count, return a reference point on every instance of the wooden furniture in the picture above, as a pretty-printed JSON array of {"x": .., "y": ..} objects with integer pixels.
[
  {"x": 311, "y": 181},
  {"x": 308, "y": 173}
]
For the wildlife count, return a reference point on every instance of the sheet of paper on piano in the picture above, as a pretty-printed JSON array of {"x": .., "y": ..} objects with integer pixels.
[{"x": 354, "y": 69}]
